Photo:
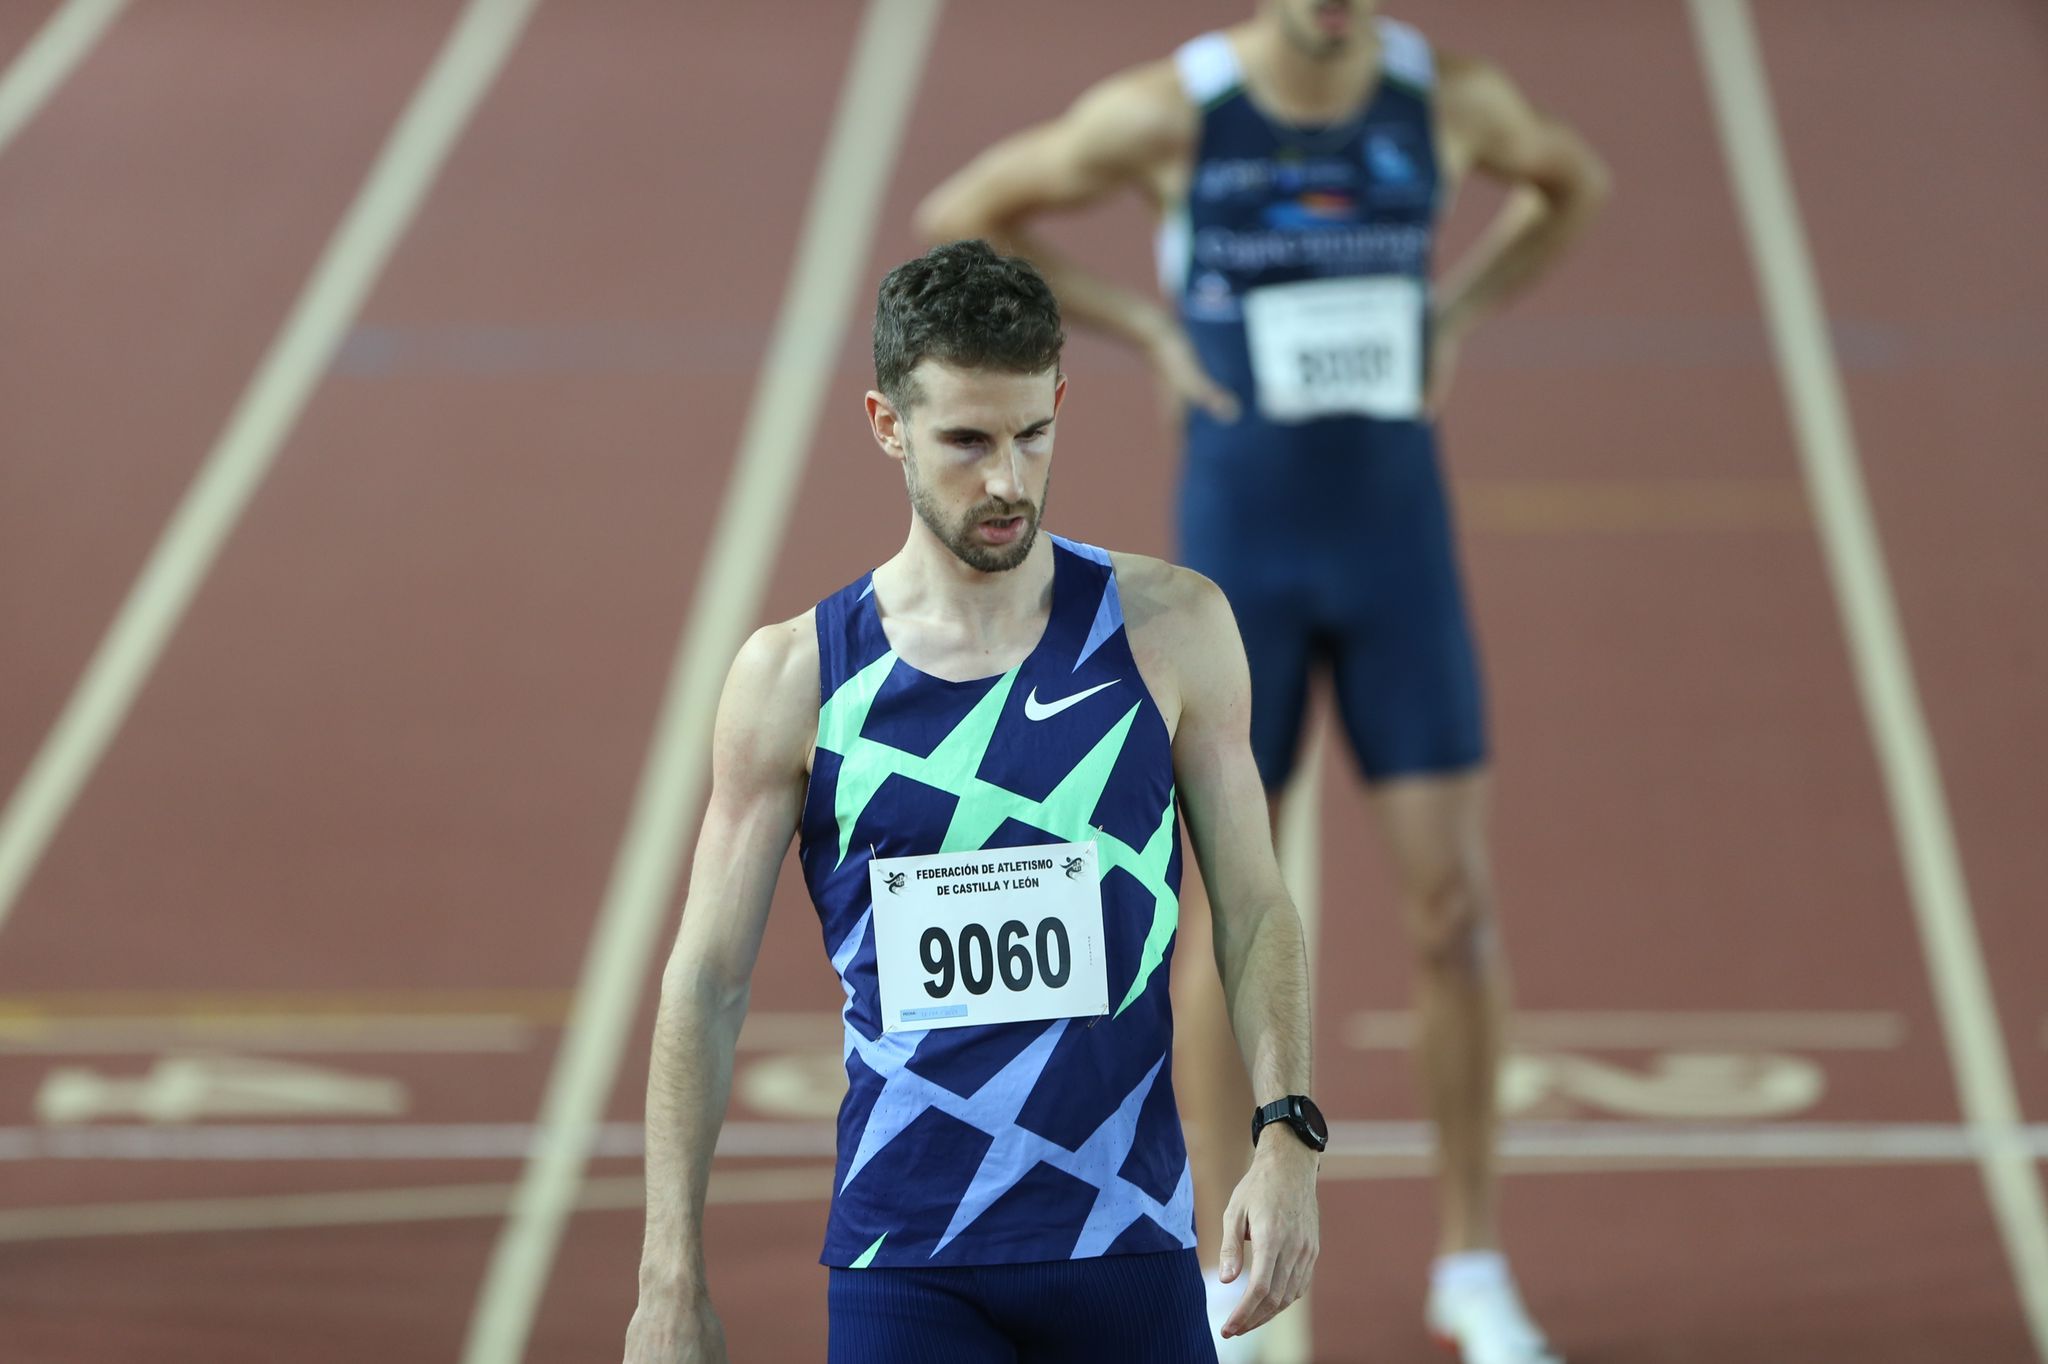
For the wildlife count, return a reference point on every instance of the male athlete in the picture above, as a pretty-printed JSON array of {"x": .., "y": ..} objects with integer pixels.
[
  {"x": 1299, "y": 163},
  {"x": 981, "y": 747}
]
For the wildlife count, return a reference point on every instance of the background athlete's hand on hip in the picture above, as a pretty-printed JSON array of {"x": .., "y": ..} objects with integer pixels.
[
  {"x": 1443, "y": 367},
  {"x": 1274, "y": 1209},
  {"x": 675, "y": 1333},
  {"x": 1183, "y": 383}
]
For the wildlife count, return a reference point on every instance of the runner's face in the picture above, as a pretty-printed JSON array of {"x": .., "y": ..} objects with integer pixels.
[
  {"x": 978, "y": 459},
  {"x": 1322, "y": 28}
]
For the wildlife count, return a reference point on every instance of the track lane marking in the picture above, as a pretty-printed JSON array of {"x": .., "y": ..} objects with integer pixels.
[
  {"x": 1359, "y": 1151},
  {"x": 430, "y": 1203},
  {"x": 1709, "y": 1141},
  {"x": 64, "y": 41},
  {"x": 1638, "y": 1030},
  {"x": 262, "y": 420},
  {"x": 1819, "y": 412},
  {"x": 802, "y": 359}
]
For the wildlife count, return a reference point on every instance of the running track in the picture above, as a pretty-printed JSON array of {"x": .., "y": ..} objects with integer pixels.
[{"x": 367, "y": 803}]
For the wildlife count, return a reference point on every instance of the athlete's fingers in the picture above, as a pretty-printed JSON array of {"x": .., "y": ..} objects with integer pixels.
[
  {"x": 1258, "y": 1304},
  {"x": 1233, "y": 1239},
  {"x": 1294, "y": 1283},
  {"x": 1217, "y": 401}
]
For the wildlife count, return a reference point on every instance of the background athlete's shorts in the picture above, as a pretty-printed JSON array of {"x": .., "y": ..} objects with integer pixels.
[
  {"x": 1112, "y": 1309},
  {"x": 1333, "y": 542}
]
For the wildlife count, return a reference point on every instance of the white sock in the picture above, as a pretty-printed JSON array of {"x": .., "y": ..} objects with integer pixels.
[{"x": 1469, "y": 1269}]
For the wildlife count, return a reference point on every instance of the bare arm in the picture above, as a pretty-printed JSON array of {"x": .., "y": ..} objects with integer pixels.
[
  {"x": 1259, "y": 946},
  {"x": 1258, "y": 935},
  {"x": 1134, "y": 131},
  {"x": 1556, "y": 187},
  {"x": 766, "y": 721}
]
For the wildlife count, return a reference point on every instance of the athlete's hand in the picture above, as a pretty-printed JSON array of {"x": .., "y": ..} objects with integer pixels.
[
  {"x": 1183, "y": 383},
  {"x": 675, "y": 1333},
  {"x": 1443, "y": 367},
  {"x": 1274, "y": 1208}
]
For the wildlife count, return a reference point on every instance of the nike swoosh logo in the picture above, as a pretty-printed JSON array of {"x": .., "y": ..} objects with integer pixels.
[{"x": 1034, "y": 709}]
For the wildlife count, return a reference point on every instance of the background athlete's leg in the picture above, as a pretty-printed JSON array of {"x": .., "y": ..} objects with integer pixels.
[
  {"x": 1436, "y": 836},
  {"x": 1409, "y": 690}
]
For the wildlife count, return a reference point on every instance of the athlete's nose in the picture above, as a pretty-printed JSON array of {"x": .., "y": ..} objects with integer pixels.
[{"x": 1006, "y": 475}]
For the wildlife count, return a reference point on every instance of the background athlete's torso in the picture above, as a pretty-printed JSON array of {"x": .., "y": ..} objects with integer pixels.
[
  {"x": 1332, "y": 537},
  {"x": 1014, "y": 1142}
]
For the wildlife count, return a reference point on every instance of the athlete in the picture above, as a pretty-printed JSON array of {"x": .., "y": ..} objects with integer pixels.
[
  {"x": 1300, "y": 163},
  {"x": 983, "y": 748}
]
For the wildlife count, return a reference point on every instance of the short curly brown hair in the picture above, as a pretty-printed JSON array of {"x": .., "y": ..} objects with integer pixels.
[{"x": 967, "y": 305}]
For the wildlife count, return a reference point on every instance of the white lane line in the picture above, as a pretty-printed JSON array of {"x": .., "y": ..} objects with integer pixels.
[
  {"x": 1819, "y": 412},
  {"x": 184, "y": 1034},
  {"x": 1785, "y": 1142},
  {"x": 802, "y": 359},
  {"x": 1358, "y": 1151},
  {"x": 377, "y": 1141},
  {"x": 1378, "y": 1030},
  {"x": 64, "y": 41},
  {"x": 263, "y": 417},
  {"x": 754, "y": 1140},
  {"x": 431, "y": 1203}
]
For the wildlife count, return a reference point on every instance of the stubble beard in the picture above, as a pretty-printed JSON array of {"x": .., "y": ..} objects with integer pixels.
[{"x": 959, "y": 537}]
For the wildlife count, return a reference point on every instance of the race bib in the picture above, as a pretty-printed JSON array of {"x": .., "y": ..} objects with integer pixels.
[
  {"x": 1337, "y": 347},
  {"x": 1004, "y": 935}
]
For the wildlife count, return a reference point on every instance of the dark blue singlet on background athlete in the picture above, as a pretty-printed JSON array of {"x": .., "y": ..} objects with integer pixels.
[{"x": 1331, "y": 536}]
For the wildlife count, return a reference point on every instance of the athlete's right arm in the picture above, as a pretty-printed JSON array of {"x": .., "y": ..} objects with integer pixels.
[
  {"x": 767, "y": 720},
  {"x": 1133, "y": 131}
]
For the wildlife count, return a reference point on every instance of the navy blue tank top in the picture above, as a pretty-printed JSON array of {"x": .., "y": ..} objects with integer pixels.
[
  {"x": 1271, "y": 203},
  {"x": 1010, "y": 1142}
]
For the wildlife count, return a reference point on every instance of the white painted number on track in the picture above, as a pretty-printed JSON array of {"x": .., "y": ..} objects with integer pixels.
[
  {"x": 1675, "y": 1085},
  {"x": 181, "y": 1089}
]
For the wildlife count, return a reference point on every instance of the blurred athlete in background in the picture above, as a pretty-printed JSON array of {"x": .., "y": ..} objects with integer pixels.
[{"x": 1300, "y": 164}]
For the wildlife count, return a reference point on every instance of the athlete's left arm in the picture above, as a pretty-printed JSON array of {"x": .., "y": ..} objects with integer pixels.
[
  {"x": 1258, "y": 935},
  {"x": 1556, "y": 185}
]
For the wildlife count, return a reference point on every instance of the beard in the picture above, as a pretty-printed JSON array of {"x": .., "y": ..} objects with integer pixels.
[{"x": 958, "y": 536}]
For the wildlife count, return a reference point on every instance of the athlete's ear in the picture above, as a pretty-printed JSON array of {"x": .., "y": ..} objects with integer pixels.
[
  {"x": 886, "y": 423},
  {"x": 1059, "y": 391}
]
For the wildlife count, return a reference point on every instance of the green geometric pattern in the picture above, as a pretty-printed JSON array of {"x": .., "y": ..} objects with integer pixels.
[{"x": 981, "y": 806}]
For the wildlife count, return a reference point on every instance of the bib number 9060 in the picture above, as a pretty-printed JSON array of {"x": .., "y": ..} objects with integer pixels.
[
  {"x": 979, "y": 961},
  {"x": 994, "y": 936}
]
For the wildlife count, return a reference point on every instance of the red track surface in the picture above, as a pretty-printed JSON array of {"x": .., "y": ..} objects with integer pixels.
[{"x": 393, "y": 746}]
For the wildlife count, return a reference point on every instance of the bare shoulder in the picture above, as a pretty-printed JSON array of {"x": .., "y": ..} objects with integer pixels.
[
  {"x": 1180, "y": 627},
  {"x": 1158, "y": 595},
  {"x": 1141, "y": 111},
  {"x": 1473, "y": 92},
  {"x": 768, "y": 716}
]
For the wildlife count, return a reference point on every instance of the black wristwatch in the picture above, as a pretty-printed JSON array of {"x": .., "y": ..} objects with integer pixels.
[{"x": 1299, "y": 1112}]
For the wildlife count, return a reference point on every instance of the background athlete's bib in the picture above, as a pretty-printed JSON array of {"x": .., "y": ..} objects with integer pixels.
[
  {"x": 1337, "y": 347},
  {"x": 1003, "y": 935}
]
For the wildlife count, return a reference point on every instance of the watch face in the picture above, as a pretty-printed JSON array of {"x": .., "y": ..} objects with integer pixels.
[{"x": 1313, "y": 1116}]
